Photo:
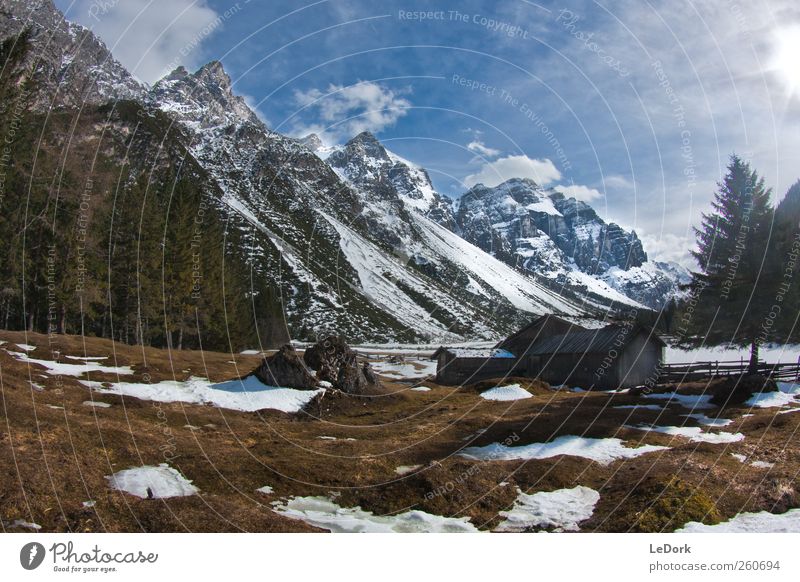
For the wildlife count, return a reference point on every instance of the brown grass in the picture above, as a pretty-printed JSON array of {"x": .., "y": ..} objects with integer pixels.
[{"x": 56, "y": 452}]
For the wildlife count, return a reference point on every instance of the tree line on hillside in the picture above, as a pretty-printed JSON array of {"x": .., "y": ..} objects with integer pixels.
[
  {"x": 87, "y": 245},
  {"x": 746, "y": 292}
]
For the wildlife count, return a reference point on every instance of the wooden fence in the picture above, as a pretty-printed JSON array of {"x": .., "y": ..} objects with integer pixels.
[{"x": 705, "y": 370}]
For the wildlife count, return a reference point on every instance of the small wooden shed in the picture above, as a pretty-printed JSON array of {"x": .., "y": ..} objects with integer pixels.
[
  {"x": 457, "y": 366},
  {"x": 616, "y": 356}
]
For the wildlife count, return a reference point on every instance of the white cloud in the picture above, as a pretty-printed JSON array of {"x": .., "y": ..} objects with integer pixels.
[
  {"x": 542, "y": 171},
  {"x": 617, "y": 181},
  {"x": 669, "y": 247},
  {"x": 578, "y": 192},
  {"x": 150, "y": 38},
  {"x": 345, "y": 111},
  {"x": 480, "y": 148}
]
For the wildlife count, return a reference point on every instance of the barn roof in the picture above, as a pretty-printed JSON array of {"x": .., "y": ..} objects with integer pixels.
[
  {"x": 591, "y": 340},
  {"x": 474, "y": 352},
  {"x": 541, "y": 320}
]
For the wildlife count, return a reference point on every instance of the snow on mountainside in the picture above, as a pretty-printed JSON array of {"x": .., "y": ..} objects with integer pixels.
[
  {"x": 513, "y": 223},
  {"x": 564, "y": 241},
  {"x": 360, "y": 244},
  {"x": 349, "y": 252},
  {"x": 381, "y": 175}
]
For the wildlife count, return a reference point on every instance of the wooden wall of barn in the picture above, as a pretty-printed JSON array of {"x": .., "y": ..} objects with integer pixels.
[
  {"x": 459, "y": 371},
  {"x": 639, "y": 361}
]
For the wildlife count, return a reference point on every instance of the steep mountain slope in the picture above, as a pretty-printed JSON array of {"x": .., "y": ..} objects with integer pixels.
[
  {"x": 501, "y": 221},
  {"x": 361, "y": 245},
  {"x": 73, "y": 68},
  {"x": 352, "y": 253},
  {"x": 563, "y": 240}
]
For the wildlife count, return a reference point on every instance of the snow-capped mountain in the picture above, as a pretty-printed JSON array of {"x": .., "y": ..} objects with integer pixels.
[
  {"x": 360, "y": 243},
  {"x": 563, "y": 240},
  {"x": 357, "y": 240}
]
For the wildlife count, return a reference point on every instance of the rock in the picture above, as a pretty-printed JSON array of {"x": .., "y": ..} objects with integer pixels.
[
  {"x": 736, "y": 390},
  {"x": 336, "y": 363},
  {"x": 286, "y": 369}
]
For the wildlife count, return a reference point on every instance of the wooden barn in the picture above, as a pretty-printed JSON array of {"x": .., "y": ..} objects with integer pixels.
[
  {"x": 457, "y": 366},
  {"x": 560, "y": 352},
  {"x": 616, "y": 356},
  {"x": 543, "y": 327}
]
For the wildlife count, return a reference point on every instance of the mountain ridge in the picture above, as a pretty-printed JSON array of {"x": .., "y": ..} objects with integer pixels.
[{"x": 359, "y": 244}]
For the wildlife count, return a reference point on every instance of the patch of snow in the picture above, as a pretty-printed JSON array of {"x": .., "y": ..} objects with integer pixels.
[
  {"x": 708, "y": 420},
  {"x": 560, "y": 510},
  {"x": 266, "y": 490},
  {"x": 771, "y": 399},
  {"x": 521, "y": 291},
  {"x": 506, "y": 393},
  {"x": 421, "y": 389},
  {"x": 327, "y": 438},
  {"x": 247, "y": 395},
  {"x": 405, "y": 469},
  {"x": 324, "y": 513},
  {"x": 59, "y": 369},
  {"x": 693, "y": 433},
  {"x": 90, "y": 503},
  {"x": 37, "y": 387},
  {"x": 604, "y": 451},
  {"x": 405, "y": 370},
  {"x": 769, "y": 353},
  {"x": 480, "y": 353},
  {"x": 96, "y": 404},
  {"x": 544, "y": 205},
  {"x": 23, "y": 524},
  {"x": 250, "y": 352},
  {"x": 163, "y": 481},
  {"x": 26, "y": 347},
  {"x": 739, "y": 457},
  {"x": 762, "y": 464},
  {"x": 87, "y": 358},
  {"x": 762, "y": 522}
]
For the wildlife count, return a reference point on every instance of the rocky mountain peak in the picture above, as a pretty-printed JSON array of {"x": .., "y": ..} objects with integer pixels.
[
  {"x": 385, "y": 176},
  {"x": 365, "y": 146},
  {"x": 312, "y": 141},
  {"x": 213, "y": 74},
  {"x": 205, "y": 97},
  {"x": 73, "y": 67}
]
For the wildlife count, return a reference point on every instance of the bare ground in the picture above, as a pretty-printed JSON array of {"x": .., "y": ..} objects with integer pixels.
[{"x": 57, "y": 452}]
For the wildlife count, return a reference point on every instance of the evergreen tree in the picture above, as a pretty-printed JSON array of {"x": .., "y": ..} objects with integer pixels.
[
  {"x": 786, "y": 266},
  {"x": 734, "y": 287}
]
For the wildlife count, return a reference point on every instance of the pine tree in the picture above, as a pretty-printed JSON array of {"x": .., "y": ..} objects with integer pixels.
[
  {"x": 733, "y": 288},
  {"x": 786, "y": 266}
]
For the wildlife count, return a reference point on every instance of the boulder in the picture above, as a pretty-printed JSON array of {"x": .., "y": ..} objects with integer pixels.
[
  {"x": 286, "y": 369},
  {"x": 336, "y": 363},
  {"x": 736, "y": 390}
]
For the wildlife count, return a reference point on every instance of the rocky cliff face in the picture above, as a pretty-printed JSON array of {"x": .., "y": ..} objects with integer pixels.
[
  {"x": 563, "y": 240},
  {"x": 383, "y": 176},
  {"x": 72, "y": 66}
]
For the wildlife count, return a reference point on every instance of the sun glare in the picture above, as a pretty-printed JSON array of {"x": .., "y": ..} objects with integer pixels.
[{"x": 787, "y": 57}]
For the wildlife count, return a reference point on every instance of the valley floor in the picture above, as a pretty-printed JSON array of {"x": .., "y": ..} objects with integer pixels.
[{"x": 104, "y": 436}]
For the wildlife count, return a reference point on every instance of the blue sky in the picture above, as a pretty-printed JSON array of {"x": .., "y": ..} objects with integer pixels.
[{"x": 632, "y": 106}]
